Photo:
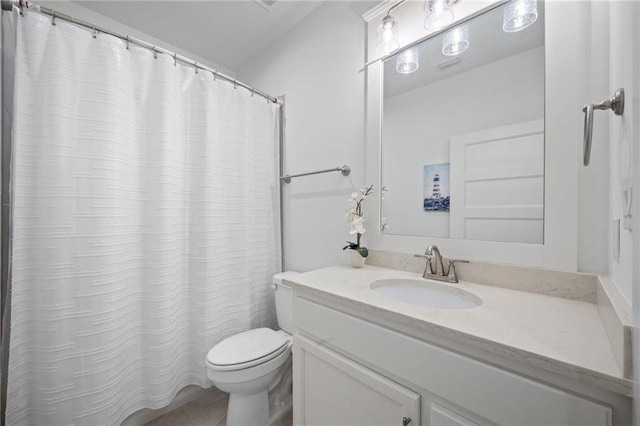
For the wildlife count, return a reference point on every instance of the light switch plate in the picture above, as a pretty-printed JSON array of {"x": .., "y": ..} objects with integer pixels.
[{"x": 615, "y": 239}]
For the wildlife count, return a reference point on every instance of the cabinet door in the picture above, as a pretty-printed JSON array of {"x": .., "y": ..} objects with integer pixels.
[{"x": 330, "y": 389}]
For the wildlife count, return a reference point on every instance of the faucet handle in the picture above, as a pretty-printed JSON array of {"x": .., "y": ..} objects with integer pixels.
[
  {"x": 452, "y": 268},
  {"x": 428, "y": 269}
]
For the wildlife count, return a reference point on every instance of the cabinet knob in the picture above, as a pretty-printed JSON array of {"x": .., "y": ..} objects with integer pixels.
[{"x": 406, "y": 421}]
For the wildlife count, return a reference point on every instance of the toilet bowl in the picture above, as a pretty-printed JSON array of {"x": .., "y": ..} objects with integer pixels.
[{"x": 246, "y": 364}]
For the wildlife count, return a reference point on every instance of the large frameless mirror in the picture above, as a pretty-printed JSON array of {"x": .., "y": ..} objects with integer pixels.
[{"x": 463, "y": 131}]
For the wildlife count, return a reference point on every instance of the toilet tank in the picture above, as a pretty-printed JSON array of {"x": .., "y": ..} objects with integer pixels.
[{"x": 284, "y": 301}]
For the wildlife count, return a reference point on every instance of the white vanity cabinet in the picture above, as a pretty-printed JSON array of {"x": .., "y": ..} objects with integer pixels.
[{"x": 352, "y": 371}]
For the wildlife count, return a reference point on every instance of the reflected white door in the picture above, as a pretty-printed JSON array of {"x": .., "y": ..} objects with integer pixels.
[{"x": 497, "y": 184}]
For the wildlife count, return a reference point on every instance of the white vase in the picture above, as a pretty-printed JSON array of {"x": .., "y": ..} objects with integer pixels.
[{"x": 357, "y": 261}]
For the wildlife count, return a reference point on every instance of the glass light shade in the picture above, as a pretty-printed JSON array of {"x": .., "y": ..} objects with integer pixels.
[
  {"x": 519, "y": 14},
  {"x": 387, "y": 36},
  {"x": 439, "y": 14},
  {"x": 407, "y": 61},
  {"x": 455, "y": 41}
]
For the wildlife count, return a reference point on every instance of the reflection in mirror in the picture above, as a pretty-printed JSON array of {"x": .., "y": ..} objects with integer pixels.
[{"x": 463, "y": 134}]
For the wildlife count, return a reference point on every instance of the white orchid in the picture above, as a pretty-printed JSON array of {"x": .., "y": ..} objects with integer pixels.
[
  {"x": 357, "y": 225},
  {"x": 355, "y": 218}
]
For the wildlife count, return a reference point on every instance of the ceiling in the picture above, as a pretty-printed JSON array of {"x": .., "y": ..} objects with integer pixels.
[{"x": 228, "y": 33}]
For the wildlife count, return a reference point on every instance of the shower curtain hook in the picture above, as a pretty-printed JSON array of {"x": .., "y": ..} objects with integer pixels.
[
  {"x": 195, "y": 65},
  {"x": 95, "y": 32},
  {"x": 215, "y": 75},
  {"x": 252, "y": 91},
  {"x": 155, "y": 52},
  {"x": 175, "y": 59},
  {"x": 235, "y": 84},
  {"x": 53, "y": 17},
  {"x": 127, "y": 40}
]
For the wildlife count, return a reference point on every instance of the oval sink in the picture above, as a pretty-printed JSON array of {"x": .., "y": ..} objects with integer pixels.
[{"x": 425, "y": 293}]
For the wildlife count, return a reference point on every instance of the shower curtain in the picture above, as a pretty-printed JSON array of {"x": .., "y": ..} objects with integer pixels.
[{"x": 145, "y": 224}]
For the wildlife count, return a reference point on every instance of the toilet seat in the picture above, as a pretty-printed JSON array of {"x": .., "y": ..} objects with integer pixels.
[{"x": 247, "y": 349}]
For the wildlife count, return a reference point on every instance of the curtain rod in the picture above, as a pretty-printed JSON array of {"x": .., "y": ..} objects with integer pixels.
[{"x": 22, "y": 4}]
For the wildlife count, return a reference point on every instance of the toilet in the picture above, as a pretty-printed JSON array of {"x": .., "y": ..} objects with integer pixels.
[{"x": 247, "y": 364}]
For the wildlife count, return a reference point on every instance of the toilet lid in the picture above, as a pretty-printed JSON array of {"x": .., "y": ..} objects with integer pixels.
[{"x": 246, "y": 347}]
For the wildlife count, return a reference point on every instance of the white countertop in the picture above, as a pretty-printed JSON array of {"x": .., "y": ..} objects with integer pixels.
[{"x": 557, "y": 334}]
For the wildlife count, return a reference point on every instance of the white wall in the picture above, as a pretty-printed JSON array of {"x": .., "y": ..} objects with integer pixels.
[
  {"x": 624, "y": 150},
  {"x": 317, "y": 66},
  {"x": 611, "y": 66},
  {"x": 593, "y": 211},
  {"x": 621, "y": 133},
  {"x": 417, "y": 130}
]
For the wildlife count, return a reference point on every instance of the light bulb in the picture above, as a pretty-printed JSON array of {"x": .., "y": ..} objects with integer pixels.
[
  {"x": 387, "y": 36},
  {"x": 519, "y": 14},
  {"x": 455, "y": 41},
  {"x": 407, "y": 61},
  {"x": 439, "y": 14}
]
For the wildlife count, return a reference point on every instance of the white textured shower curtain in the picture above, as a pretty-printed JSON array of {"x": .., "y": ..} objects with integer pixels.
[{"x": 145, "y": 224}]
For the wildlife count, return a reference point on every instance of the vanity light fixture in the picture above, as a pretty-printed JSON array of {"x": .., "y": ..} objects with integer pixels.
[
  {"x": 387, "y": 35},
  {"x": 408, "y": 61},
  {"x": 455, "y": 41},
  {"x": 439, "y": 13},
  {"x": 519, "y": 14}
]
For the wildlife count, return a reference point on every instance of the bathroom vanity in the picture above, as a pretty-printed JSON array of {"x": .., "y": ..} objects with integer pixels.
[{"x": 362, "y": 356}]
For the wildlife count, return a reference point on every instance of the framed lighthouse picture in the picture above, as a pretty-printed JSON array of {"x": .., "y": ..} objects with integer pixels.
[{"x": 436, "y": 195}]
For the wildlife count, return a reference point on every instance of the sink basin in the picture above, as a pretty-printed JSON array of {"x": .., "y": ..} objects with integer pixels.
[{"x": 425, "y": 293}]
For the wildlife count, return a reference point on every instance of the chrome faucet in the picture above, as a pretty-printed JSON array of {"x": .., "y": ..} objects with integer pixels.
[
  {"x": 432, "y": 254},
  {"x": 434, "y": 251}
]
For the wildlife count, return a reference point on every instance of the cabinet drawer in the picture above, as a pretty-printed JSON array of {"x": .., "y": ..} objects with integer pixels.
[{"x": 497, "y": 395}]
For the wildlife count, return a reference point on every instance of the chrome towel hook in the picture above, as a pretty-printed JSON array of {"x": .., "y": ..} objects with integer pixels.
[{"x": 616, "y": 104}]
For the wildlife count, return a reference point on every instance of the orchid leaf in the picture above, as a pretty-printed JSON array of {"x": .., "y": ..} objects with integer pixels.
[{"x": 350, "y": 245}]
